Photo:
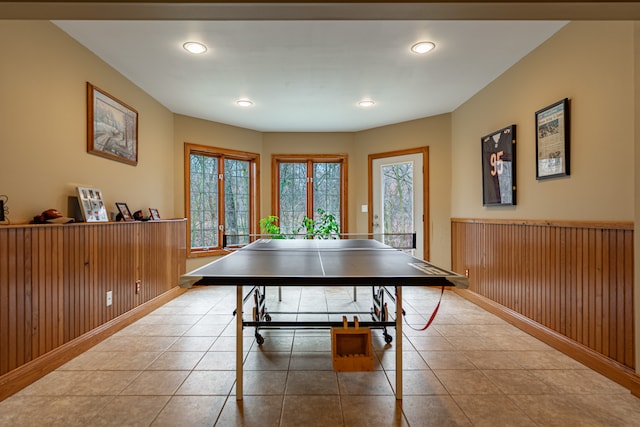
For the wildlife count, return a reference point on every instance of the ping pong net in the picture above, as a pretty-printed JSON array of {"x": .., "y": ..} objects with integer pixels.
[{"x": 401, "y": 241}]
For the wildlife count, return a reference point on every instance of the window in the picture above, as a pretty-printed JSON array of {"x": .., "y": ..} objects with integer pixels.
[
  {"x": 304, "y": 184},
  {"x": 220, "y": 197}
]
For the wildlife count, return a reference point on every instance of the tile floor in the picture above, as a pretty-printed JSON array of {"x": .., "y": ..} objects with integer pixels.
[{"x": 175, "y": 367}]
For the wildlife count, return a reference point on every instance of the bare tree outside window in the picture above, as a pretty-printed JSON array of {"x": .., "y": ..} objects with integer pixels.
[
  {"x": 308, "y": 185},
  {"x": 293, "y": 196},
  {"x": 397, "y": 187},
  {"x": 326, "y": 189},
  {"x": 204, "y": 201},
  {"x": 221, "y": 199},
  {"x": 236, "y": 201}
]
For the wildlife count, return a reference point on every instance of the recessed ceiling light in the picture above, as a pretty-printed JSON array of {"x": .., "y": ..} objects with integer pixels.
[
  {"x": 194, "y": 47},
  {"x": 422, "y": 47},
  {"x": 244, "y": 102},
  {"x": 366, "y": 103}
]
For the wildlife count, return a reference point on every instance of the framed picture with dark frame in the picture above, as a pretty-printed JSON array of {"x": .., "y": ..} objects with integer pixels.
[
  {"x": 552, "y": 140},
  {"x": 124, "y": 211},
  {"x": 499, "y": 167},
  {"x": 154, "y": 214},
  {"x": 112, "y": 127}
]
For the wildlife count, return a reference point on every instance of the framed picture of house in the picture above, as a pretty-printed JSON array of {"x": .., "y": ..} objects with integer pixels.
[
  {"x": 552, "y": 140},
  {"x": 112, "y": 127},
  {"x": 499, "y": 167}
]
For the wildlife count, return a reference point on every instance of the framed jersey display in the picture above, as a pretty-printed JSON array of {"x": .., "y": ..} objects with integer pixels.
[
  {"x": 499, "y": 167},
  {"x": 552, "y": 140}
]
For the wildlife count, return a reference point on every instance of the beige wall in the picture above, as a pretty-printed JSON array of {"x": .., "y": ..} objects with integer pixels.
[
  {"x": 43, "y": 145},
  {"x": 591, "y": 63},
  {"x": 43, "y": 135},
  {"x": 433, "y": 132},
  {"x": 204, "y": 132},
  {"x": 42, "y": 119},
  {"x": 307, "y": 143},
  {"x": 595, "y": 65}
]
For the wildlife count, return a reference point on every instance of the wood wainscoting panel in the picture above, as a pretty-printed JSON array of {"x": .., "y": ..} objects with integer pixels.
[
  {"x": 575, "y": 278},
  {"x": 54, "y": 280},
  {"x": 31, "y": 282}
]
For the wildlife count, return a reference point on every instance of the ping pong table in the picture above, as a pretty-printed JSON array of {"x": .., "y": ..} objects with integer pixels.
[{"x": 315, "y": 262}]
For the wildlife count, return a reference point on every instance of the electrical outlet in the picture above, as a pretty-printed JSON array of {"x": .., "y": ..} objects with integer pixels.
[
  {"x": 466, "y": 272},
  {"x": 109, "y": 298},
  {"x": 138, "y": 283}
]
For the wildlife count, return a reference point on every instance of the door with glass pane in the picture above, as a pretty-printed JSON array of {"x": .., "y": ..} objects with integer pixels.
[{"x": 398, "y": 202}]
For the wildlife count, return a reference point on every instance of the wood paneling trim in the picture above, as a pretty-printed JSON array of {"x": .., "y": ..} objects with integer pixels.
[
  {"x": 26, "y": 374},
  {"x": 617, "y": 225},
  {"x": 54, "y": 279},
  {"x": 570, "y": 277}
]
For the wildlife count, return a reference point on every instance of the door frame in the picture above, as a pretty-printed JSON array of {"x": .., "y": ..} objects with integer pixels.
[{"x": 425, "y": 199}]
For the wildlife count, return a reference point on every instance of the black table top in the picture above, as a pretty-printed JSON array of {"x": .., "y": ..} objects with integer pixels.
[{"x": 323, "y": 262}]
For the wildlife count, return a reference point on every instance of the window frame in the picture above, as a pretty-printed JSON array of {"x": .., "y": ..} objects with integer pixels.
[
  {"x": 254, "y": 192},
  {"x": 310, "y": 159}
]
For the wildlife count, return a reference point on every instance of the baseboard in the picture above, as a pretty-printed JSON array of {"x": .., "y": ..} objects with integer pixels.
[
  {"x": 588, "y": 357},
  {"x": 19, "y": 378}
]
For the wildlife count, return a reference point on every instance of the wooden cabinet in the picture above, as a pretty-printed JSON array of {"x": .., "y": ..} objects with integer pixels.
[{"x": 54, "y": 279}]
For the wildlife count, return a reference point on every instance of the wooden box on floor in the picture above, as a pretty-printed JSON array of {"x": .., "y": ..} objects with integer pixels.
[{"x": 351, "y": 348}]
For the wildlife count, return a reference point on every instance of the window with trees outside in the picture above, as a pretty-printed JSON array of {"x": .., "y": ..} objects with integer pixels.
[
  {"x": 220, "y": 197},
  {"x": 305, "y": 184},
  {"x": 397, "y": 202}
]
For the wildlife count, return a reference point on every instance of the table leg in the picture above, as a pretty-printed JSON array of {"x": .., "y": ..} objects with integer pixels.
[
  {"x": 239, "y": 341},
  {"x": 398, "y": 342}
]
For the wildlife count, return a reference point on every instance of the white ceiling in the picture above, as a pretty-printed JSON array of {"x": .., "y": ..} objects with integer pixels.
[{"x": 308, "y": 76}]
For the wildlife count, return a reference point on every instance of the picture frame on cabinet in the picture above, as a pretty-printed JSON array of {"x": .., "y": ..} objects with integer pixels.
[
  {"x": 91, "y": 204},
  {"x": 124, "y": 211},
  {"x": 154, "y": 214}
]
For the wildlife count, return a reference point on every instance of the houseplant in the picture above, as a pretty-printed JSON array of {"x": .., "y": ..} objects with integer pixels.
[{"x": 324, "y": 227}]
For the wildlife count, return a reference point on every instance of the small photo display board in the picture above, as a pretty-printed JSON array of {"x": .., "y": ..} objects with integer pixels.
[{"x": 92, "y": 205}]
